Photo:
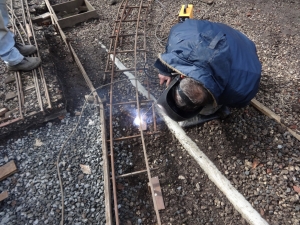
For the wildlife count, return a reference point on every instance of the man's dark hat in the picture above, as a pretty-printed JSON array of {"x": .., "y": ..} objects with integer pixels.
[{"x": 167, "y": 102}]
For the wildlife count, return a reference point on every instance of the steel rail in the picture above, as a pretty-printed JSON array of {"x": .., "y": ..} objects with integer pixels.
[
  {"x": 41, "y": 72},
  {"x": 124, "y": 70},
  {"x": 17, "y": 74},
  {"x": 147, "y": 78},
  {"x": 117, "y": 34},
  {"x": 18, "y": 77},
  {"x": 20, "y": 93},
  {"x": 133, "y": 173},
  {"x": 42, "y": 75},
  {"x": 34, "y": 73},
  {"x": 125, "y": 103},
  {"x": 124, "y": 4},
  {"x": 113, "y": 51},
  {"x": 139, "y": 114},
  {"x": 133, "y": 136},
  {"x": 10, "y": 122},
  {"x": 13, "y": 16},
  {"x": 98, "y": 101}
]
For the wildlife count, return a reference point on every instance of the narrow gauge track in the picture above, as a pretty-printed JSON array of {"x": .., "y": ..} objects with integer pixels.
[
  {"x": 129, "y": 41},
  {"x": 29, "y": 86},
  {"x": 130, "y": 16},
  {"x": 139, "y": 46},
  {"x": 125, "y": 12}
]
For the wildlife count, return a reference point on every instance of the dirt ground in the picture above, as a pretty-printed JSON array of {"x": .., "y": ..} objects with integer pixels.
[{"x": 259, "y": 157}]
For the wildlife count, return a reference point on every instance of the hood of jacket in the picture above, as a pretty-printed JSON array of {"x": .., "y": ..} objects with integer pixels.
[{"x": 221, "y": 58}]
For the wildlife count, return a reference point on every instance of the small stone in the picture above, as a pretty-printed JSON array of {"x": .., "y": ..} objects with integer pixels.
[
  {"x": 3, "y": 111},
  {"x": 9, "y": 79},
  {"x": 10, "y": 95}
]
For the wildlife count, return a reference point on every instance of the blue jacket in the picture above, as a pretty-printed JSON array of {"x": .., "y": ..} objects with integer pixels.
[{"x": 221, "y": 58}]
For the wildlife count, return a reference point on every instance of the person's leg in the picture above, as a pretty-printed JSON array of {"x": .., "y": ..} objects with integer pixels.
[
  {"x": 4, "y": 12},
  {"x": 8, "y": 52}
]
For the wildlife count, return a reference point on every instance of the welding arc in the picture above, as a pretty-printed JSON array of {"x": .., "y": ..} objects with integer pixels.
[{"x": 140, "y": 36}]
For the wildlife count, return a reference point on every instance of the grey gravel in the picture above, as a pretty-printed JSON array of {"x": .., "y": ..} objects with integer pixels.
[{"x": 34, "y": 191}]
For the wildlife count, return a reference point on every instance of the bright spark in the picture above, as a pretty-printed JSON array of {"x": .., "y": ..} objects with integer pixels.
[
  {"x": 137, "y": 121},
  {"x": 140, "y": 122}
]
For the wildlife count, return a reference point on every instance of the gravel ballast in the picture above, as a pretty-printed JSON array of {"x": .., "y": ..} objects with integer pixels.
[
  {"x": 257, "y": 155},
  {"x": 34, "y": 191}
]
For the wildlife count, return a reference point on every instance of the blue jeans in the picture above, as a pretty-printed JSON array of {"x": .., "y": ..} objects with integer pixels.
[{"x": 8, "y": 53}]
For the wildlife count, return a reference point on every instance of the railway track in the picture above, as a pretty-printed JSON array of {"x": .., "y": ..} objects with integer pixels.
[
  {"x": 30, "y": 88},
  {"x": 129, "y": 16},
  {"x": 128, "y": 40},
  {"x": 137, "y": 50}
]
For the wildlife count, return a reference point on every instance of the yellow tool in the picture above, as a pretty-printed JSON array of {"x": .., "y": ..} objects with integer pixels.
[{"x": 186, "y": 11}]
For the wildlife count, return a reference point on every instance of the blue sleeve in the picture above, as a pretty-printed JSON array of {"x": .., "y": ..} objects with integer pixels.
[{"x": 163, "y": 69}]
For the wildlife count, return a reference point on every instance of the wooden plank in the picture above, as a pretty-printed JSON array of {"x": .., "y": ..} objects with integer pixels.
[
  {"x": 79, "y": 18},
  {"x": 7, "y": 170},
  {"x": 272, "y": 115},
  {"x": 3, "y": 195},
  {"x": 67, "y": 6},
  {"x": 157, "y": 193}
]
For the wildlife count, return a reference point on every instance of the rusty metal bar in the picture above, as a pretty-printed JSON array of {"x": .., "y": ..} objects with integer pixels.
[
  {"x": 19, "y": 95},
  {"x": 19, "y": 90},
  {"x": 147, "y": 78},
  {"x": 133, "y": 173},
  {"x": 139, "y": 114},
  {"x": 124, "y": 103},
  {"x": 103, "y": 133},
  {"x": 128, "y": 51},
  {"x": 124, "y": 35},
  {"x": 135, "y": 7},
  {"x": 15, "y": 17},
  {"x": 118, "y": 21},
  {"x": 111, "y": 58},
  {"x": 125, "y": 70},
  {"x": 124, "y": 4},
  {"x": 35, "y": 79},
  {"x": 10, "y": 122},
  {"x": 133, "y": 136},
  {"x": 43, "y": 80}
]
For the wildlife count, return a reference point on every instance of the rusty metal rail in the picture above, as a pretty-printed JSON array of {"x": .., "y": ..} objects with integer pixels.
[
  {"x": 98, "y": 101},
  {"x": 139, "y": 21},
  {"x": 23, "y": 30},
  {"x": 125, "y": 16}
]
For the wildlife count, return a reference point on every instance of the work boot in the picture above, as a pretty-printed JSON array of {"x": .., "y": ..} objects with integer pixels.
[
  {"x": 221, "y": 113},
  {"x": 25, "y": 49},
  {"x": 27, "y": 64}
]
